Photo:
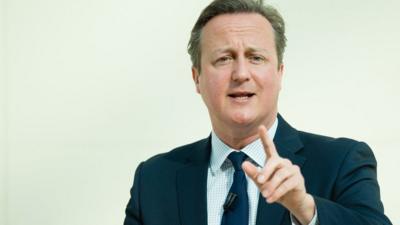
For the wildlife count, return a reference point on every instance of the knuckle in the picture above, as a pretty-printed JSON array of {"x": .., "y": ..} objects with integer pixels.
[
  {"x": 283, "y": 188},
  {"x": 291, "y": 184},
  {"x": 296, "y": 168},
  {"x": 287, "y": 162},
  {"x": 270, "y": 167},
  {"x": 264, "y": 193},
  {"x": 284, "y": 162},
  {"x": 278, "y": 193},
  {"x": 281, "y": 174},
  {"x": 278, "y": 176},
  {"x": 263, "y": 187}
]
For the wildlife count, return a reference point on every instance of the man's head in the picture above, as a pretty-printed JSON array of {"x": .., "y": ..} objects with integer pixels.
[
  {"x": 219, "y": 7},
  {"x": 238, "y": 71}
]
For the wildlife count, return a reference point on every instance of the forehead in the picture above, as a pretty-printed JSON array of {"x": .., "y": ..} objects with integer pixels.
[{"x": 226, "y": 29}]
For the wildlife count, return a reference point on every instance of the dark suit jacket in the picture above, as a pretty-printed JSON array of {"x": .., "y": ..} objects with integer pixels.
[{"x": 170, "y": 188}]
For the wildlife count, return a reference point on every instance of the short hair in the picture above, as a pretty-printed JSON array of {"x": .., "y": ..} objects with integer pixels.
[{"x": 219, "y": 7}]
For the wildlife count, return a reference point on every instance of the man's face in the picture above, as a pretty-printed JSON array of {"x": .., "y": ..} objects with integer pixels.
[{"x": 240, "y": 79}]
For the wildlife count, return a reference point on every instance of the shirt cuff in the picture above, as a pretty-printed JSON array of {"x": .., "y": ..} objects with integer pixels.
[{"x": 314, "y": 220}]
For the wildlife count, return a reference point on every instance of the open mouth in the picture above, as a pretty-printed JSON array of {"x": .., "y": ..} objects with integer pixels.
[{"x": 241, "y": 95}]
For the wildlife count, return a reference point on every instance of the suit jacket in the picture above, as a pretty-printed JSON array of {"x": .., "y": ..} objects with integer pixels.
[{"x": 170, "y": 188}]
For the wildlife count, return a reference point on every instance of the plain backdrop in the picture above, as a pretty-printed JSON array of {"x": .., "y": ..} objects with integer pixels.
[{"x": 88, "y": 89}]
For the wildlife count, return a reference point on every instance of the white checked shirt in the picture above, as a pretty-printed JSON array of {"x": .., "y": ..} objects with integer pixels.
[{"x": 220, "y": 177}]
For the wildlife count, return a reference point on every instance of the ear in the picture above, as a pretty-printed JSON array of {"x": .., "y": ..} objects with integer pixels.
[
  {"x": 281, "y": 71},
  {"x": 195, "y": 76}
]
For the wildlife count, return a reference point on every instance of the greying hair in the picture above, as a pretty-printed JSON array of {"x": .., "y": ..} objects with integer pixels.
[{"x": 219, "y": 7}]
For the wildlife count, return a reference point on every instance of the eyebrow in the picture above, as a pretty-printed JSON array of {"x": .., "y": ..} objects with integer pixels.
[{"x": 248, "y": 49}]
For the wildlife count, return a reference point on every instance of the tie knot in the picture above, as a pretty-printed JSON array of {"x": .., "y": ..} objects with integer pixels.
[{"x": 237, "y": 159}]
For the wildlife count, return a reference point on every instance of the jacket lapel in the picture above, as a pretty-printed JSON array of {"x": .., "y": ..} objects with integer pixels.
[
  {"x": 192, "y": 186},
  {"x": 287, "y": 142}
]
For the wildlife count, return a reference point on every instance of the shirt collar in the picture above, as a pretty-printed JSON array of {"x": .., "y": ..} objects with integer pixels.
[{"x": 254, "y": 150}]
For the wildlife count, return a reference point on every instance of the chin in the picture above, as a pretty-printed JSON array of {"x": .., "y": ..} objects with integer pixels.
[{"x": 242, "y": 119}]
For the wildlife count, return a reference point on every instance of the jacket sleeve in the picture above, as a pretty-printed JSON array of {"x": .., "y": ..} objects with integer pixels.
[
  {"x": 132, "y": 212},
  {"x": 356, "y": 198}
]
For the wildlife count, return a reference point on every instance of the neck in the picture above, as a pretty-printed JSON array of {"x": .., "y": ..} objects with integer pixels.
[{"x": 239, "y": 137}]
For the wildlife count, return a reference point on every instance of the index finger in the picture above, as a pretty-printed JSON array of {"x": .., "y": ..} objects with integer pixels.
[{"x": 269, "y": 146}]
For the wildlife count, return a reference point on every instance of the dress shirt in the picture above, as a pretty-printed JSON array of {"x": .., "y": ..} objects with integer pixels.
[{"x": 220, "y": 177}]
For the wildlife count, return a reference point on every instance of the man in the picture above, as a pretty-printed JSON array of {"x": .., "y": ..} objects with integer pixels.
[{"x": 239, "y": 175}]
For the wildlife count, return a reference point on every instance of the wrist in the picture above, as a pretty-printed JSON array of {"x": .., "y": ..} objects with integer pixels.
[{"x": 305, "y": 211}]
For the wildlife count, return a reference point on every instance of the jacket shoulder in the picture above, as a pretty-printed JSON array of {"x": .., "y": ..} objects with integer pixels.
[
  {"x": 326, "y": 144},
  {"x": 178, "y": 156}
]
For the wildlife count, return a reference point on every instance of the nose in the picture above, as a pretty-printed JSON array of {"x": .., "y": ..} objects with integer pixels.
[{"x": 241, "y": 71}]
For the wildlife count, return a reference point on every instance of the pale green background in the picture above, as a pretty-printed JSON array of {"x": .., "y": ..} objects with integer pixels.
[{"x": 91, "y": 88}]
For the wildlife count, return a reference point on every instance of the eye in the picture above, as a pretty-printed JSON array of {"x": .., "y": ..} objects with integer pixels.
[
  {"x": 224, "y": 60},
  {"x": 257, "y": 59}
]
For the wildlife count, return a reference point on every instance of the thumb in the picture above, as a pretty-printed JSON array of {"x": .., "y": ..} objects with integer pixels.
[{"x": 250, "y": 170}]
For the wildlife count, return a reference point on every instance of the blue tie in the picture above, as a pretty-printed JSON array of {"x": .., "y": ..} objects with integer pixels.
[{"x": 236, "y": 207}]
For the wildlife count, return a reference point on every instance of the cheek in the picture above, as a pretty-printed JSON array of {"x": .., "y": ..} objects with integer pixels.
[
  {"x": 215, "y": 90},
  {"x": 269, "y": 79},
  {"x": 211, "y": 90},
  {"x": 213, "y": 84}
]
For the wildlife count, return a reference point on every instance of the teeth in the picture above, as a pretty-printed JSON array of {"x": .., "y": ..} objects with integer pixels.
[{"x": 242, "y": 97}]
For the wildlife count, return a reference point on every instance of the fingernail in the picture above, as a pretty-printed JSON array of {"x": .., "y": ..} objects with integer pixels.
[{"x": 261, "y": 179}]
